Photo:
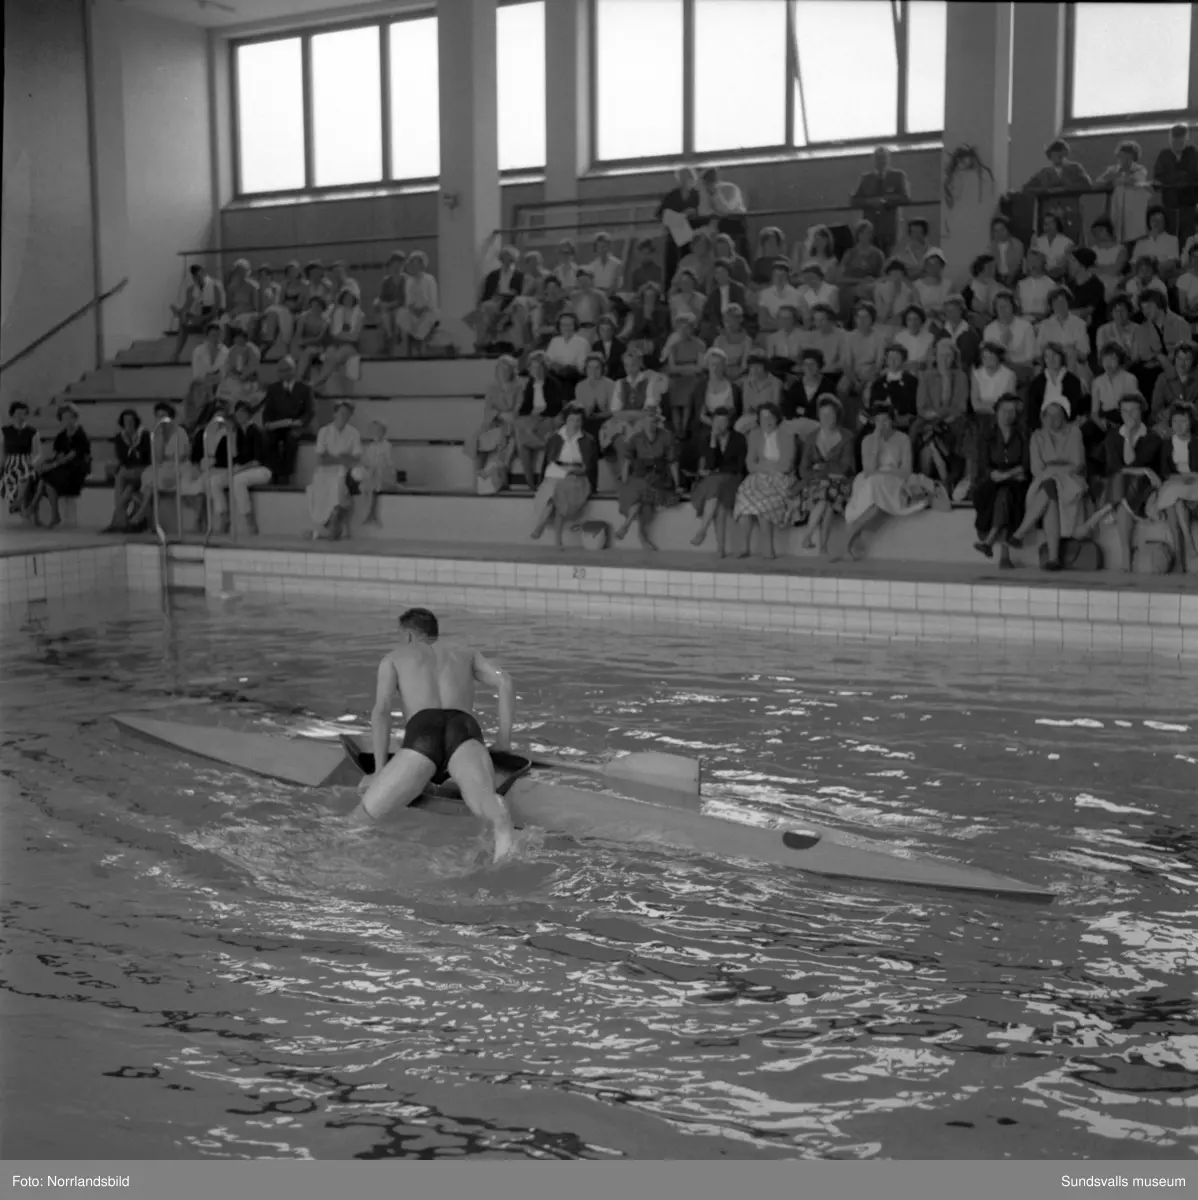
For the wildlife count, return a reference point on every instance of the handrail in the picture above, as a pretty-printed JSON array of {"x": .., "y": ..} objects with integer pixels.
[
  {"x": 1105, "y": 190},
  {"x": 158, "y": 529},
  {"x": 224, "y": 433},
  {"x": 224, "y": 251},
  {"x": 94, "y": 302}
]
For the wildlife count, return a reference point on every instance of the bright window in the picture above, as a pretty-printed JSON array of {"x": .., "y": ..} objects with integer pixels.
[
  {"x": 520, "y": 68},
  {"x": 639, "y": 79},
  {"x": 927, "y": 25},
  {"x": 347, "y": 112},
  {"x": 270, "y": 111},
  {"x": 1130, "y": 58},
  {"x": 740, "y": 74},
  {"x": 415, "y": 100}
]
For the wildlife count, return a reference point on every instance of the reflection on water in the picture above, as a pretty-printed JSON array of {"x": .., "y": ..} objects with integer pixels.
[{"x": 198, "y": 963}]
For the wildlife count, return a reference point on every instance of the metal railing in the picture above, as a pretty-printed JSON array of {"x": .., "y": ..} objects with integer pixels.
[
  {"x": 83, "y": 310},
  {"x": 1045, "y": 199}
]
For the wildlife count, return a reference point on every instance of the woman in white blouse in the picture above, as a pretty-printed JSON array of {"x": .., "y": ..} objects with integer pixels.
[
  {"x": 1065, "y": 327},
  {"x": 1054, "y": 245},
  {"x": 567, "y": 352},
  {"x": 420, "y": 313},
  {"x": 345, "y": 331},
  {"x": 990, "y": 380},
  {"x": 1177, "y": 499},
  {"x": 338, "y": 450},
  {"x": 1034, "y": 288},
  {"x": 1110, "y": 255},
  {"x": 917, "y": 338},
  {"x": 1014, "y": 334}
]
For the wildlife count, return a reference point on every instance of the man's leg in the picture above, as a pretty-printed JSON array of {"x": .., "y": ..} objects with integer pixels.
[
  {"x": 470, "y": 768},
  {"x": 395, "y": 786}
]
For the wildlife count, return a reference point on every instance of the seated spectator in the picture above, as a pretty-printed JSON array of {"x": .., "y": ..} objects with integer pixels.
[
  {"x": 553, "y": 304},
  {"x": 170, "y": 469},
  {"x": 895, "y": 388},
  {"x": 1056, "y": 498},
  {"x": 881, "y": 193},
  {"x": 647, "y": 269},
  {"x": 640, "y": 390},
  {"x": 763, "y": 499},
  {"x": 990, "y": 381},
  {"x": 758, "y": 388},
  {"x": 717, "y": 390},
  {"x": 22, "y": 453},
  {"x": 683, "y": 365},
  {"x": 724, "y": 292},
  {"x": 1156, "y": 338},
  {"x": 588, "y": 304},
  {"x": 1145, "y": 277},
  {"x": 1054, "y": 246},
  {"x": 338, "y": 451},
  {"x": 241, "y": 297},
  {"x": 268, "y": 295},
  {"x": 311, "y": 337},
  {"x": 1132, "y": 452},
  {"x": 1056, "y": 382},
  {"x": 317, "y": 285},
  {"x": 203, "y": 305},
  {"x": 1000, "y": 490},
  {"x": 207, "y": 370},
  {"x": 648, "y": 324},
  {"x": 376, "y": 473},
  {"x": 1107, "y": 391},
  {"x": 1007, "y": 252},
  {"x": 721, "y": 467},
  {"x": 545, "y": 396},
  {"x": 1033, "y": 290},
  {"x": 132, "y": 446},
  {"x": 239, "y": 376},
  {"x": 648, "y": 476},
  {"x": 894, "y": 294},
  {"x": 685, "y": 296},
  {"x": 248, "y": 471},
  {"x": 886, "y": 483},
  {"x": 492, "y": 446},
  {"x": 914, "y": 248},
  {"x": 278, "y": 323},
  {"x": 932, "y": 289},
  {"x": 532, "y": 267},
  {"x": 1120, "y": 328},
  {"x": 1175, "y": 174},
  {"x": 698, "y": 261},
  {"x": 569, "y": 477},
  {"x": 734, "y": 342},
  {"x": 722, "y": 203},
  {"x": 960, "y": 332},
  {"x": 1177, "y": 384},
  {"x": 420, "y": 314},
  {"x": 566, "y": 354},
  {"x": 607, "y": 271},
  {"x": 345, "y": 333},
  {"x": 863, "y": 264},
  {"x": 1159, "y": 244},
  {"x": 938, "y": 434},
  {"x": 501, "y": 288},
  {"x": 981, "y": 290},
  {"x": 801, "y": 392},
  {"x": 1065, "y": 328},
  {"x": 779, "y": 293},
  {"x": 917, "y": 338},
  {"x": 1061, "y": 174},
  {"x": 1087, "y": 293},
  {"x": 771, "y": 246},
  {"x": 784, "y": 345},
  {"x": 287, "y": 413},
  {"x": 828, "y": 338},
  {"x": 593, "y": 395},
  {"x": 609, "y": 347},
  {"x": 820, "y": 248},
  {"x": 725, "y": 247},
  {"x": 1015, "y": 334},
  {"x": 864, "y": 352},
  {"x": 1130, "y": 190},
  {"x": 340, "y": 279},
  {"x": 1187, "y": 287},
  {"x": 826, "y": 469},
  {"x": 815, "y": 291},
  {"x": 1177, "y": 499},
  {"x": 63, "y": 472},
  {"x": 1110, "y": 256},
  {"x": 566, "y": 269}
]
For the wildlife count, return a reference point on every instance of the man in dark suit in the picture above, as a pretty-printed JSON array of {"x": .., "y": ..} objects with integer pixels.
[
  {"x": 1176, "y": 174},
  {"x": 724, "y": 291},
  {"x": 500, "y": 288},
  {"x": 881, "y": 193},
  {"x": 682, "y": 199},
  {"x": 287, "y": 412}
]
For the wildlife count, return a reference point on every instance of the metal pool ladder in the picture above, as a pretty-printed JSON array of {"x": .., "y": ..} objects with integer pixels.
[
  {"x": 163, "y": 558},
  {"x": 224, "y": 433}
]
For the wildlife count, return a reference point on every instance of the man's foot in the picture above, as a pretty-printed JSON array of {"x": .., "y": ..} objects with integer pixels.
[{"x": 505, "y": 844}]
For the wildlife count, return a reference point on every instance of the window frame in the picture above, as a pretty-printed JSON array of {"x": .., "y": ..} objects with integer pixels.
[
  {"x": 1153, "y": 117},
  {"x": 788, "y": 148},
  {"x": 305, "y": 35}
]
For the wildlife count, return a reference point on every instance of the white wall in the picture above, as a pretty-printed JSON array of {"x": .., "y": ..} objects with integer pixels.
[{"x": 46, "y": 270}]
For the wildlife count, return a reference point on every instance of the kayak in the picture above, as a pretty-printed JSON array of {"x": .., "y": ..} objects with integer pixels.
[{"x": 539, "y": 797}]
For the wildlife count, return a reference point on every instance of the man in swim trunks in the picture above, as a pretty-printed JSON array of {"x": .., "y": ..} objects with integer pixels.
[{"x": 435, "y": 681}]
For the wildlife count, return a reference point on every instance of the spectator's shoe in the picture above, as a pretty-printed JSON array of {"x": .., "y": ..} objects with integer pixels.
[
  {"x": 251, "y": 525},
  {"x": 984, "y": 548},
  {"x": 962, "y": 492}
]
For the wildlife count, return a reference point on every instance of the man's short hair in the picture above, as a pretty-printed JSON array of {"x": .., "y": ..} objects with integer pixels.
[
  {"x": 421, "y": 621},
  {"x": 1179, "y": 131}
]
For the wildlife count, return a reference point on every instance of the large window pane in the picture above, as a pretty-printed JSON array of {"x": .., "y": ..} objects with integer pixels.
[
  {"x": 1130, "y": 58},
  {"x": 520, "y": 67},
  {"x": 849, "y": 66},
  {"x": 639, "y": 82},
  {"x": 347, "y": 107},
  {"x": 270, "y": 115},
  {"x": 926, "y": 48},
  {"x": 415, "y": 100},
  {"x": 740, "y": 74}
]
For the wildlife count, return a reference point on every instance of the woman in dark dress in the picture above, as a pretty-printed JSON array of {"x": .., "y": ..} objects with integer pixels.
[
  {"x": 1001, "y": 487},
  {"x": 648, "y": 476},
  {"x": 66, "y": 470},
  {"x": 22, "y": 449},
  {"x": 132, "y": 444},
  {"x": 825, "y": 475},
  {"x": 721, "y": 469}
]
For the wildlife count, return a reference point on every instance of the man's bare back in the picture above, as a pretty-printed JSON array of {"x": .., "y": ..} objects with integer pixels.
[{"x": 434, "y": 675}]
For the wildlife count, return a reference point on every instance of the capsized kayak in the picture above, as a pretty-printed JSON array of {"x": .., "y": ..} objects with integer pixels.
[{"x": 537, "y": 798}]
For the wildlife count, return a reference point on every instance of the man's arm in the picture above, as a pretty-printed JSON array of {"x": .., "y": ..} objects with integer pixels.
[
  {"x": 380, "y": 717},
  {"x": 487, "y": 672}
]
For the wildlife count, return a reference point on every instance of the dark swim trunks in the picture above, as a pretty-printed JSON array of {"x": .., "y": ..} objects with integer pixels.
[{"x": 438, "y": 733}]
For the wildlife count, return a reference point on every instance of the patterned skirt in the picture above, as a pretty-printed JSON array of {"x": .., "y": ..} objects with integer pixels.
[
  {"x": 832, "y": 490},
  {"x": 765, "y": 495},
  {"x": 650, "y": 492},
  {"x": 14, "y": 483},
  {"x": 722, "y": 488}
]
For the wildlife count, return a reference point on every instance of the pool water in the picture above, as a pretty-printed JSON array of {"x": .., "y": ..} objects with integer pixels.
[{"x": 197, "y": 963}]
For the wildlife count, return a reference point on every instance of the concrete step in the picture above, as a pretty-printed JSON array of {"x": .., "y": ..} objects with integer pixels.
[{"x": 159, "y": 351}]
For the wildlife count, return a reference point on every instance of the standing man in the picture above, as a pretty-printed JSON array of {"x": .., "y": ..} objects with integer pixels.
[
  {"x": 287, "y": 411},
  {"x": 881, "y": 193},
  {"x": 435, "y": 681},
  {"x": 682, "y": 200},
  {"x": 1176, "y": 174}
]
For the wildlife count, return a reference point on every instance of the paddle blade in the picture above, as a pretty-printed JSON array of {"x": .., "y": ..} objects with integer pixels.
[{"x": 673, "y": 771}]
